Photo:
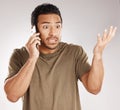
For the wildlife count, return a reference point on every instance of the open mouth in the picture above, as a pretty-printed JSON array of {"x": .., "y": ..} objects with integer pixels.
[{"x": 52, "y": 40}]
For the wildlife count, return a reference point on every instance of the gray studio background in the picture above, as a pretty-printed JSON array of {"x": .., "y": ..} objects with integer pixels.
[{"x": 82, "y": 21}]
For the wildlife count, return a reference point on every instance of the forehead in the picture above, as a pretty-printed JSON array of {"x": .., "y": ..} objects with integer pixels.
[{"x": 49, "y": 18}]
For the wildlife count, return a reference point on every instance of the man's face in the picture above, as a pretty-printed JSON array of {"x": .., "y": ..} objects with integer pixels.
[{"x": 49, "y": 26}]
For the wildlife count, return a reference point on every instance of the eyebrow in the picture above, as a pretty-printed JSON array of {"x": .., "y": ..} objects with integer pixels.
[{"x": 50, "y": 22}]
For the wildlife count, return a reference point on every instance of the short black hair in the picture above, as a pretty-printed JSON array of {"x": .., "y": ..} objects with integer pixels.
[{"x": 45, "y": 8}]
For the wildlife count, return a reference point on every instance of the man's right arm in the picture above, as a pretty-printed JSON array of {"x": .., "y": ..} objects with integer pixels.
[{"x": 16, "y": 86}]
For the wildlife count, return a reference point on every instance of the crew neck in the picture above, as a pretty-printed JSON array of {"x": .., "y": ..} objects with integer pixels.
[{"x": 59, "y": 49}]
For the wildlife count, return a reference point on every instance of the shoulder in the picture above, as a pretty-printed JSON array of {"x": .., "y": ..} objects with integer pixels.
[
  {"x": 19, "y": 54},
  {"x": 74, "y": 48},
  {"x": 20, "y": 51}
]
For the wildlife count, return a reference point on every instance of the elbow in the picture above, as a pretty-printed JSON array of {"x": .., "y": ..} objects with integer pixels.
[
  {"x": 94, "y": 91},
  {"x": 94, "y": 88},
  {"x": 11, "y": 96}
]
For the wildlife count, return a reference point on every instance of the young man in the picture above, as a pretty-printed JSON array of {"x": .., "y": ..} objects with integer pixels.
[{"x": 45, "y": 72}]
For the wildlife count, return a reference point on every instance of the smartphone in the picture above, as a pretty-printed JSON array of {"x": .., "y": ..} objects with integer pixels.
[{"x": 33, "y": 30}]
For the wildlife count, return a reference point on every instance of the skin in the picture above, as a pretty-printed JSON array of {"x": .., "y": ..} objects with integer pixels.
[
  {"x": 94, "y": 78},
  {"x": 49, "y": 27}
]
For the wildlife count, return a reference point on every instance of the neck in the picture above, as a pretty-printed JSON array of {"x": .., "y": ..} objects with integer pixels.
[{"x": 45, "y": 50}]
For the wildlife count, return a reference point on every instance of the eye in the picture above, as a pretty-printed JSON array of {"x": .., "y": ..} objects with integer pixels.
[
  {"x": 45, "y": 27},
  {"x": 58, "y": 26}
]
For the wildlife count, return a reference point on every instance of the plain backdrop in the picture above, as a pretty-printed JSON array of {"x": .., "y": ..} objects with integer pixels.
[{"x": 82, "y": 21}]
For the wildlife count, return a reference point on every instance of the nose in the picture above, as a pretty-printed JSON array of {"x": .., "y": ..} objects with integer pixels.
[{"x": 52, "y": 31}]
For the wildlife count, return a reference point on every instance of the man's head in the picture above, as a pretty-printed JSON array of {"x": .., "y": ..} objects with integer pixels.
[
  {"x": 48, "y": 22},
  {"x": 45, "y": 8}
]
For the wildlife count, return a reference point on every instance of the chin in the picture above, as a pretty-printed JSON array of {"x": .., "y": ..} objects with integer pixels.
[{"x": 52, "y": 47}]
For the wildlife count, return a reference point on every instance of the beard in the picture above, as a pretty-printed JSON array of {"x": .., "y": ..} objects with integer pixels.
[{"x": 50, "y": 45}]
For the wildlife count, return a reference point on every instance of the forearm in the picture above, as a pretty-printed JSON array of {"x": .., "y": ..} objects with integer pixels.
[
  {"x": 96, "y": 74},
  {"x": 93, "y": 80},
  {"x": 16, "y": 86}
]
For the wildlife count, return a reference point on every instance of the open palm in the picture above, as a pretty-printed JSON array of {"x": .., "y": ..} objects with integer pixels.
[{"x": 102, "y": 41}]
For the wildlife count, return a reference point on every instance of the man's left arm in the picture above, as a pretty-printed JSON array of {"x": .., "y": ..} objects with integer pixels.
[{"x": 94, "y": 78}]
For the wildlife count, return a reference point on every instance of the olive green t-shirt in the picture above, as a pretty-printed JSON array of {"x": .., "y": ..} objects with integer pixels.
[{"x": 54, "y": 82}]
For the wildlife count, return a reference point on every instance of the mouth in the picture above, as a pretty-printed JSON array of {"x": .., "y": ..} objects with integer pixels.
[{"x": 52, "y": 40}]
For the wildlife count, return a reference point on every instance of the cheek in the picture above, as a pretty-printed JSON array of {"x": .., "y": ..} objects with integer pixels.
[
  {"x": 42, "y": 31},
  {"x": 43, "y": 34},
  {"x": 59, "y": 32}
]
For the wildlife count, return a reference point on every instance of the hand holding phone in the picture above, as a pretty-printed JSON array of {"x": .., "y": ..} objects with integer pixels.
[
  {"x": 34, "y": 32},
  {"x": 33, "y": 43}
]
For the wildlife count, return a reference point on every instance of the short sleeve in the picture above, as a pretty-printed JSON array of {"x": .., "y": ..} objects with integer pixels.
[
  {"x": 82, "y": 65},
  {"x": 16, "y": 61}
]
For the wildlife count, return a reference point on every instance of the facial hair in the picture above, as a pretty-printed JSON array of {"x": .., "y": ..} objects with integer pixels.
[{"x": 47, "y": 46}]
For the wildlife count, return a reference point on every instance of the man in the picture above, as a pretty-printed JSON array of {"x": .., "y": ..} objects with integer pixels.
[{"x": 45, "y": 72}]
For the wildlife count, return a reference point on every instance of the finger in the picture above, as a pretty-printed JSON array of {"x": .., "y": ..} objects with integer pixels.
[
  {"x": 104, "y": 34},
  {"x": 34, "y": 37},
  {"x": 113, "y": 32},
  {"x": 99, "y": 38},
  {"x": 108, "y": 36},
  {"x": 36, "y": 43},
  {"x": 110, "y": 31}
]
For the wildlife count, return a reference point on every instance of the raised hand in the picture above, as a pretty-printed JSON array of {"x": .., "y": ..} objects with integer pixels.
[{"x": 103, "y": 40}]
